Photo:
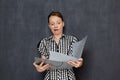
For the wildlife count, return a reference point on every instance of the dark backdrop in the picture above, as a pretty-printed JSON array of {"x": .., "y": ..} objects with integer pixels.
[{"x": 24, "y": 22}]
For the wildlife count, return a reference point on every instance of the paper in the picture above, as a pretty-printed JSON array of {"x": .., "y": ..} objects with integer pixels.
[
  {"x": 55, "y": 56},
  {"x": 58, "y": 60},
  {"x": 78, "y": 47},
  {"x": 55, "y": 64}
]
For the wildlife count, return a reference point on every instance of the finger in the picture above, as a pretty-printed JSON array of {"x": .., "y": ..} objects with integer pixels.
[
  {"x": 40, "y": 69},
  {"x": 79, "y": 63},
  {"x": 72, "y": 63},
  {"x": 35, "y": 64},
  {"x": 46, "y": 66},
  {"x": 80, "y": 60},
  {"x": 75, "y": 64},
  {"x": 41, "y": 64},
  {"x": 43, "y": 57}
]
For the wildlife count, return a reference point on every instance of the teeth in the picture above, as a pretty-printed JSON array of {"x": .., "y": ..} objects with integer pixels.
[{"x": 55, "y": 29}]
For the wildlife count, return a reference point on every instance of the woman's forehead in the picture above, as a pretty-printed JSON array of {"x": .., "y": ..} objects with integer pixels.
[{"x": 55, "y": 18}]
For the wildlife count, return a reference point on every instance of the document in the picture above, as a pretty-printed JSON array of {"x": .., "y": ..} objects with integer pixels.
[
  {"x": 59, "y": 60},
  {"x": 55, "y": 64}
]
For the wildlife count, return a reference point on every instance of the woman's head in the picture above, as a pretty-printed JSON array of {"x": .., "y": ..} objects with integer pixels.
[
  {"x": 55, "y": 13},
  {"x": 56, "y": 22}
]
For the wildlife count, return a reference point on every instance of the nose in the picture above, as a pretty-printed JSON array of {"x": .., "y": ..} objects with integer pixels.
[{"x": 55, "y": 26}]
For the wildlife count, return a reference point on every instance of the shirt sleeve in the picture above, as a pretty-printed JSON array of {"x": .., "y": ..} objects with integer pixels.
[
  {"x": 42, "y": 48},
  {"x": 74, "y": 40}
]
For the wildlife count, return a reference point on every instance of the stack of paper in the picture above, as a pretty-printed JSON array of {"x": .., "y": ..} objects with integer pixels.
[{"x": 58, "y": 60}]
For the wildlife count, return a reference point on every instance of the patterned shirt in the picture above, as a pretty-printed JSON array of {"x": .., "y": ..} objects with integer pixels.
[{"x": 64, "y": 46}]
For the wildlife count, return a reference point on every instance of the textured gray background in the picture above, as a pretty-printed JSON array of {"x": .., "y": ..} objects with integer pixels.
[{"x": 24, "y": 22}]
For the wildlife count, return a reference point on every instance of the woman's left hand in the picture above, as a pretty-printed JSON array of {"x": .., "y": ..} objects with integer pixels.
[{"x": 77, "y": 63}]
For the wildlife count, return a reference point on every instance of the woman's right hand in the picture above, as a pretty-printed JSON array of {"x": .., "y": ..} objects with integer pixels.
[{"x": 41, "y": 67}]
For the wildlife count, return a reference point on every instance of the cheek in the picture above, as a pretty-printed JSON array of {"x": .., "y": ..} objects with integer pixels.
[
  {"x": 62, "y": 27},
  {"x": 51, "y": 28}
]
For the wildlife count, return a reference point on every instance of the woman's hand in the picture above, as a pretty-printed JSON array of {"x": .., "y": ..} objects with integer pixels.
[
  {"x": 77, "y": 63},
  {"x": 41, "y": 67}
]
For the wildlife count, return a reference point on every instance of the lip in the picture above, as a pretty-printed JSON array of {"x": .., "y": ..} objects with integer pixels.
[{"x": 56, "y": 29}]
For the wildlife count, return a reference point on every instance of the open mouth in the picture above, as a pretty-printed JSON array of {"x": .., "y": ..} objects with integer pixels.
[{"x": 56, "y": 29}]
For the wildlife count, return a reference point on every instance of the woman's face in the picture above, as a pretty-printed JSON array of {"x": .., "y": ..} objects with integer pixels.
[{"x": 56, "y": 25}]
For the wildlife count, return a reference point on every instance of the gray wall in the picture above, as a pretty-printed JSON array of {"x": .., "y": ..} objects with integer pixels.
[{"x": 24, "y": 22}]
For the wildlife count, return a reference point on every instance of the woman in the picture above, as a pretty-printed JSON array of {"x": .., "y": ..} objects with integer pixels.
[{"x": 58, "y": 42}]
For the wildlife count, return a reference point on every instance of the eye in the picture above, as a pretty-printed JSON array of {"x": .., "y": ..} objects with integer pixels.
[
  {"x": 51, "y": 24},
  {"x": 59, "y": 22}
]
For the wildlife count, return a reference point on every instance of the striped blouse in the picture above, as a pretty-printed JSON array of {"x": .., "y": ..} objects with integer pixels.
[{"x": 64, "y": 46}]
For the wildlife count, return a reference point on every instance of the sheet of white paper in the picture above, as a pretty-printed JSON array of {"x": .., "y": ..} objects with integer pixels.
[
  {"x": 56, "y": 56},
  {"x": 78, "y": 47},
  {"x": 55, "y": 64}
]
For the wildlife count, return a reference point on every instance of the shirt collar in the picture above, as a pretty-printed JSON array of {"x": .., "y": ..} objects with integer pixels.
[{"x": 51, "y": 37}]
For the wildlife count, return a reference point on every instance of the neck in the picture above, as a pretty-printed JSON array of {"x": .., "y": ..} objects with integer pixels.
[{"x": 57, "y": 37}]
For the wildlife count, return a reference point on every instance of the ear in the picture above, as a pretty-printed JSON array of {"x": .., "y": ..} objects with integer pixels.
[{"x": 63, "y": 24}]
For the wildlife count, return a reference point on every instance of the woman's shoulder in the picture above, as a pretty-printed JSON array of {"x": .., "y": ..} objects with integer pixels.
[
  {"x": 71, "y": 36},
  {"x": 46, "y": 39},
  {"x": 42, "y": 41}
]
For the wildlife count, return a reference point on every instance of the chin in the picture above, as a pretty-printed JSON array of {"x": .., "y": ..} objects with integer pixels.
[{"x": 56, "y": 33}]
